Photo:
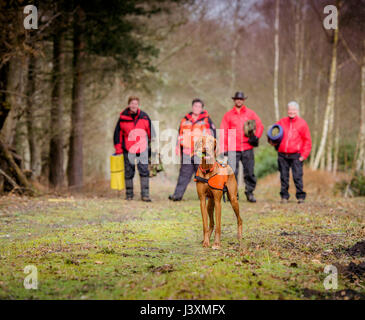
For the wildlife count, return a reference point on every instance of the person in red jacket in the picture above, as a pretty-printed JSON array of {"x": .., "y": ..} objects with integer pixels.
[
  {"x": 194, "y": 124},
  {"x": 294, "y": 148},
  {"x": 239, "y": 147},
  {"x": 132, "y": 137}
]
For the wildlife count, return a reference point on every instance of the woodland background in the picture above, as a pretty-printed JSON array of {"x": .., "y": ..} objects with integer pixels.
[{"x": 62, "y": 86}]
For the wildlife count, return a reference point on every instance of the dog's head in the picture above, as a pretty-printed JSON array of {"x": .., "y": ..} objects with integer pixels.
[{"x": 205, "y": 147}]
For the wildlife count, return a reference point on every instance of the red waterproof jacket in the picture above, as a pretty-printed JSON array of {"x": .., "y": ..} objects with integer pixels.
[
  {"x": 236, "y": 140},
  {"x": 190, "y": 129},
  {"x": 297, "y": 137},
  {"x": 132, "y": 132}
]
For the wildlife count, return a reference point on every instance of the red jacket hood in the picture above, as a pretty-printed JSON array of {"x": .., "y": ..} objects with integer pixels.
[
  {"x": 202, "y": 115},
  {"x": 126, "y": 114}
]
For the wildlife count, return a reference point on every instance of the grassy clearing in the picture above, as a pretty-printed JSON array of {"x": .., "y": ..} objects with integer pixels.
[{"x": 107, "y": 248}]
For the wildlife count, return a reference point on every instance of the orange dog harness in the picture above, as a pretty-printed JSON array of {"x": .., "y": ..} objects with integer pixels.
[{"x": 217, "y": 181}]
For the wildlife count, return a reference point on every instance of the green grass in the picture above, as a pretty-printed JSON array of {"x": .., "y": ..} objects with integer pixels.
[{"x": 97, "y": 248}]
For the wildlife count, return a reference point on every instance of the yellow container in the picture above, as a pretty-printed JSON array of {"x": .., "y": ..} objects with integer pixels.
[{"x": 117, "y": 172}]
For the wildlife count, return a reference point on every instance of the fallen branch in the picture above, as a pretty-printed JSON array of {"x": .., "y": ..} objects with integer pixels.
[
  {"x": 18, "y": 172},
  {"x": 12, "y": 182}
]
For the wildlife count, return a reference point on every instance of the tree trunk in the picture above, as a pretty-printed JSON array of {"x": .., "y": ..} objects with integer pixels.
[
  {"x": 56, "y": 154},
  {"x": 75, "y": 159},
  {"x": 299, "y": 95},
  {"x": 322, "y": 164},
  {"x": 306, "y": 81},
  {"x": 235, "y": 42},
  {"x": 283, "y": 86},
  {"x": 277, "y": 53},
  {"x": 336, "y": 147},
  {"x": 33, "y": 141},
  {"x": 361, "y": 158},
  {"x": 330, "y": 101},
  {"x": 329, "y": 152},
  {"x": 15, "y": 97},
  {"x": 315, "y": 116},
  {"x": 4, "y": 104},
  {"x": 12, "y": 69},
  {"x": 297, "y": 15}
]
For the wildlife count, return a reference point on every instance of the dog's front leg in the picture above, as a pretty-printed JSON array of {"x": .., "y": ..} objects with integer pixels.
[
  {"x": 210, "y": 209},
  {"x": 204, "y": 211},
  {"x": 217, "y": 234}
]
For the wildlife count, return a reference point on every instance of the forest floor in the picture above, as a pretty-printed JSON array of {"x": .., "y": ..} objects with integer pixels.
[{"x": 99, "y": 246}]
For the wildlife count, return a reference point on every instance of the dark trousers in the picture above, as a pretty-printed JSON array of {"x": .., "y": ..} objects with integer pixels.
[
  {"x": 130, "y": 167},
  {"x": 285, "y": 162},
  {"x": 188, "y": 167},
  {"x": 248, "y": 161}
]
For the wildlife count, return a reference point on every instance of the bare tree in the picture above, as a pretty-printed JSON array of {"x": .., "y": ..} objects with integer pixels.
[
  {"x": 56, "y": 154},
  {"x": 360, "y": 163},
  {"x": 330, "y": 101},
  {"x": 277, "y": 53},
  {"x": 32, "y": 121},
  {"x": 329, "y": 151},
  {"x": 299, "y": 53},
  {"x": 315, "y": 116},
  {"x": 75, "y": 157},
  {"x": 235, "y": 43},
  {"x": 15, "y": 97},
  {"x": 336, "y": 146}
]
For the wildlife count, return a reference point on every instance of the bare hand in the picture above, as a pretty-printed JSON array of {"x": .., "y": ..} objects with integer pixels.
[{"x": 301, "y": 159}]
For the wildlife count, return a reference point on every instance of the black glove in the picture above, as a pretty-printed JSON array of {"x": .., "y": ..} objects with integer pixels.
[
  {"x": 275, "y": 145},
  {"x": 253, "y": 141}
]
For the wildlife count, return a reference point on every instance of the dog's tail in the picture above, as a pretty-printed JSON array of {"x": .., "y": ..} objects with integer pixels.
[{"x": 225, "y": 192}]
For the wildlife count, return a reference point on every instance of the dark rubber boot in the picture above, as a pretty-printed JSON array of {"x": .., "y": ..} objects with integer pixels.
[
  {"x": 129, "y": 189},
  {"x": 173, "y": 198},
  {"x": 145, "y": 189},
  {"x": 250, "y": 197}
]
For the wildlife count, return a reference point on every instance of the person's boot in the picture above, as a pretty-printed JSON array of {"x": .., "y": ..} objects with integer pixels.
[
  {"x": 145, "y": 189},
  {"x": 174, "y": 198},
  {"x": 250, "y": 197},
  {"x": 129, "y": 189},
  {"x": 300, "y": 201}
]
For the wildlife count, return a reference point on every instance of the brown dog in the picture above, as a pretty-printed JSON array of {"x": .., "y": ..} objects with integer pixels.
[{"x": 211, "y": 178}]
